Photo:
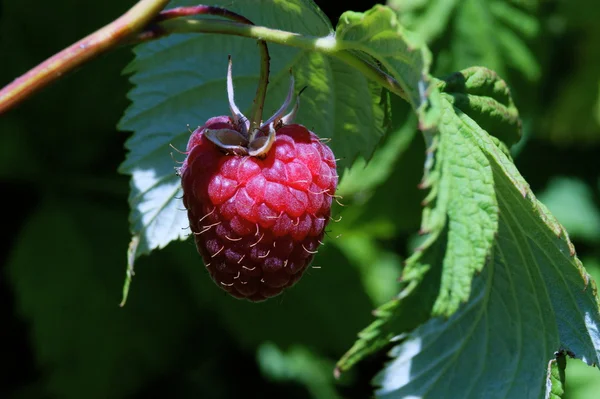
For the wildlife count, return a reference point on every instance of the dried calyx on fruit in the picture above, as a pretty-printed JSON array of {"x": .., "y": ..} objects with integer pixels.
[
  {"x": 237, "y": 139},
  {"x": 258, "y": 198}
]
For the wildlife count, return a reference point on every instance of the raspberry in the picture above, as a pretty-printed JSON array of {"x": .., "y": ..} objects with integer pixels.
[{"x": 257, "y": 202}]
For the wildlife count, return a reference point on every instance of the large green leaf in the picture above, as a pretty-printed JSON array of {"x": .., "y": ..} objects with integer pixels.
[
  {"x": 460, "y": 217},
  {"x": 530, "y": 279},
  {"x": 533, "y": 298},
  {"x": 180, "y": 81}
]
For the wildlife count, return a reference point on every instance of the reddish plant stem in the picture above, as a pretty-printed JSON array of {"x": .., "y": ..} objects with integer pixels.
[
  {"x": 198, "y": 10},
  {"x": 80, "y": 52},
  {"x": 140, "y": 18}
]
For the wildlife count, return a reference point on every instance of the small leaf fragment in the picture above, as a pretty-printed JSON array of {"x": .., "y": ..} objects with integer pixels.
[
  {"x": 555, "y": 377},
  {"x": 129, "y": 273}
]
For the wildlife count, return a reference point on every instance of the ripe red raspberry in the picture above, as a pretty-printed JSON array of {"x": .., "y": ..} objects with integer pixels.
[{"x": 257, "y": 203}]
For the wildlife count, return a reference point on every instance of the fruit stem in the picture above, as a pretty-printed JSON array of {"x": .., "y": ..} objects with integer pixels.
[
  {"x": 261, "y": 91},
  {"x": 91, "y": 46}
]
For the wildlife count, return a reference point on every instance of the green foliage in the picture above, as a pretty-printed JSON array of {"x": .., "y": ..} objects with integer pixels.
[
  {"x": 573, "y": 114},
  {"x": 69, "y": 302},
  {"x": 476, "y": 249},
  {"x": 475, "y": 283},
  {"x": 298, "y": 364},
  {"x": 512, "y": 322},
  {"x": 546, "y": 53},
  {"x": 378, "y": 34},
  {"x": 369, "y": 201},
  {"x": 582, "y": 381},
  {"x": 492, "y": 33},
  {"x": 473, "y": 181},
  {"x": 461, "y": 214}
]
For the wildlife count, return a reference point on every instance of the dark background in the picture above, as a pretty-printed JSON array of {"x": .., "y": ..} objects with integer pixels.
[{"x": 65, "y": 233}]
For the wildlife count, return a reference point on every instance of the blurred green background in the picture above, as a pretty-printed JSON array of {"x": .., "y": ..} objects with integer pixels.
[{"x": 66, "y": 231}]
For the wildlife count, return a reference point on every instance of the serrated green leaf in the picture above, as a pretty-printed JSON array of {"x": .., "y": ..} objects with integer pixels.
[
  {"x": 533, "y": 298},
  {"x": 180, "y": 81},
  {"x": 531, "y": 258},
  {"x": 481, "y": 94},
  {"x": 466, "y": 193},
  {"x": 462, "y": 188},
  {"x": 378, "y": 34},
  {"x": 460, "y": 218}
]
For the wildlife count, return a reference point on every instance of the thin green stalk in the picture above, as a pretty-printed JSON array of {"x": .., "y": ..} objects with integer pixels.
[
  {"x": 327, "y": 45},
  {"x": 261, "y": 90}
]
